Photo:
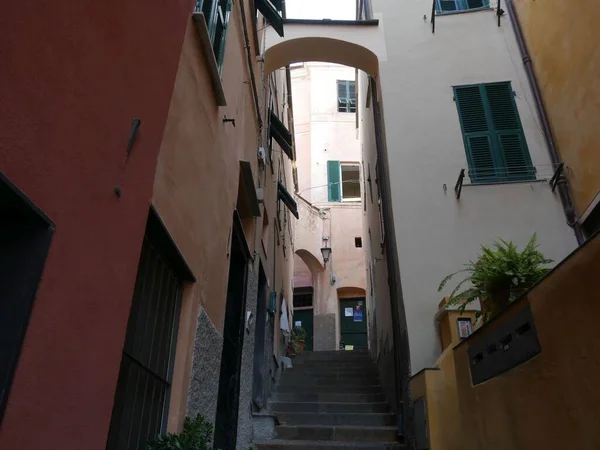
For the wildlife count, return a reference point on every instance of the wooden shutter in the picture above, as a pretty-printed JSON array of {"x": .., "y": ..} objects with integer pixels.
[
  {"x": 476, "y": 133},
  {"x": 342, "y": 94},
  {"x": 270, "y": 13},
  {"x": 333, "y": 181},
  {"x": 351, "y": 96},
  {"x": 510, "y": 139}
]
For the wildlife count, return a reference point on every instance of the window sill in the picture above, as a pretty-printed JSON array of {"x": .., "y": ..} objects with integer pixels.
[
  {"x": 495, "y": 183},
  {"x": 209, "y": 58},
  {"x": 464, "y": 11},
  {"x": 351, "y": 200}
]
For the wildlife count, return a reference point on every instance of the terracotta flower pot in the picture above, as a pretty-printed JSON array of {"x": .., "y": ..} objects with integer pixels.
[
  {"x": 498, "y": 302},
  {"x": 300, "y": 345}
]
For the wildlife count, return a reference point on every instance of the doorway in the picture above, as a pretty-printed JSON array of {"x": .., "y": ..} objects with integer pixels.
[
  {"x": 233, "y": 340},
  {"x": 258, "y": 392},
  {"x": 353, "y": 323},
  {"x": 303, "y": 314}
]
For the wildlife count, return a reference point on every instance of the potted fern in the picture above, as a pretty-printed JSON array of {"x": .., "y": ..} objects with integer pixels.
[
  {"x": 197, "y": 434},
  {"x": 299, "y": 337},
  {"x": 500, "y": 274}
]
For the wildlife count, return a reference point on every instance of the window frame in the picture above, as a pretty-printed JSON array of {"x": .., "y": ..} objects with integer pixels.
[
  {"x": 216, "y": 12},
  {"x": 497, "y": 153},
  {"x": 349, "y": 199},
  {"x": 461, "y": 6},
  {"x": 349, "y": 105}
]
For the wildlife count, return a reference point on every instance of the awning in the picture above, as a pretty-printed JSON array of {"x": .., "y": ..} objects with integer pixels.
[
  {"x": 282, "y": 135},
  {"x": 286, "y": 198}
]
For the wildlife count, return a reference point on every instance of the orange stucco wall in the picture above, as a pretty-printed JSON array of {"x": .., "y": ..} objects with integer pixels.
[
  {"x": 549, "y": 402},
  {"x": 196, "y": 189},
  {"x": 564, "y": 42},
  {"x": 552, "y": 401}
]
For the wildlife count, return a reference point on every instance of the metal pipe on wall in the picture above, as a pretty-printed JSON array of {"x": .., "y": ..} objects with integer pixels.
[{"x": 563, "y": 188}]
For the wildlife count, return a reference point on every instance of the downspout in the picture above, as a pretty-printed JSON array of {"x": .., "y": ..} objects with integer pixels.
[
  {"x": 250, "y": 65},
  {"x": 563, "y": 188}
]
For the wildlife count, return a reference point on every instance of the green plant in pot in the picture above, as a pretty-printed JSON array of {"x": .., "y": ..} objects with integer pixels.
[
  {"x": 299, "y": 337},
  {"x": 197, "y": 434},
  {"x": 500, "y": 274}
]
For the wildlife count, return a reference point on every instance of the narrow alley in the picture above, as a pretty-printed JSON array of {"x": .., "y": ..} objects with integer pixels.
[{"x": 299, "y": 224}]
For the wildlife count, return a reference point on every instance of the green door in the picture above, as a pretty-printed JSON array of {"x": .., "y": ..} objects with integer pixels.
[
  {"x": 304, "y": 318},
  {"x": 353, "y": 323}
]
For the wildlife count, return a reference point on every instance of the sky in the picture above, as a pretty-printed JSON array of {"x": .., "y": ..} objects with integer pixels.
[{"x": 320, "y": 9}]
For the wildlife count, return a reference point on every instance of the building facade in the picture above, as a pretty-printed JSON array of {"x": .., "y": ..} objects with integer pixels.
[
  {"x": 330, "y": 298},
  {"x": 457, "y": 112},
  {"x": 156, "y": 211},
  {"x": 565, "y": 67}
]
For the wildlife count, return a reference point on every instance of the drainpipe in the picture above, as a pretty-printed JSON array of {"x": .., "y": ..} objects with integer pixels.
[{"x": 563, "y": 188}]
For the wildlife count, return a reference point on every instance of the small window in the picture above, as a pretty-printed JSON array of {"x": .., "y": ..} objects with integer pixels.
[
  {"x": 216, "y": 14},
  {"x": 358, "y": 242},
  {"x": 350, "y": 182},
  {"x": 492, "y": 133},
  {"x": 346, "y": 96},
  {"x": 446, "y": 6}
]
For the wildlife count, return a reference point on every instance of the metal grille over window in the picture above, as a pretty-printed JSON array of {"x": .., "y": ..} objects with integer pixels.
[
  {"x": 142, "y": 395},
  {"x": 346, "y": 96}
]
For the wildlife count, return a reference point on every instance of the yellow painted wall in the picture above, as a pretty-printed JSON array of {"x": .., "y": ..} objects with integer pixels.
[
  {"x": 552, "y": 401},
  {"x": 563, "y": 39}
]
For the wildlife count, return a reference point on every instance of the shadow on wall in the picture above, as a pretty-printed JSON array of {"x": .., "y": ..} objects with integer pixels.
[{"x": 528, "y": 379}]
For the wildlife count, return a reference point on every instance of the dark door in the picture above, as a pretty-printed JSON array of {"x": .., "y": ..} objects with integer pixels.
[
  {"x": 233, "y": 341},
  {"x": 353, "y": 322},
  {"x": 25, "y": 234},
  {"x": 258, "y": 394},
  {"x": 143, "y": 388},
  {"x": 304, "y": 318}
]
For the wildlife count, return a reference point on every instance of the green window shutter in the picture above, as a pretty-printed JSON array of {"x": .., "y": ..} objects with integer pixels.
[
  {"x": 333, "y": 181},
  {"x": 476, "y": 133},
  {"x": 270, "y": 13},
  {"x": 516, "y": 161}
]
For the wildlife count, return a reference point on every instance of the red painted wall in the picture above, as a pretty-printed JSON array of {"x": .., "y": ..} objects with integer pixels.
[{"x": 74, "y": 74}]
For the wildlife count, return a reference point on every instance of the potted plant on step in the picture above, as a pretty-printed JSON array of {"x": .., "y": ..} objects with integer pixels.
[
  {"x": 500, "y": 274},
  {"x": 299, "y": 336}
]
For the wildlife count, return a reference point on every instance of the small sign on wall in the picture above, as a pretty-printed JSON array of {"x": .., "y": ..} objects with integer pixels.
[
  {"x": 298, "y": 323},
  {"x": 465, "y": 328}
]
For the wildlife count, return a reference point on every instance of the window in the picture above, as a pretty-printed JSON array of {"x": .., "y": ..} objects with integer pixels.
[
  {"x": 346, "y": 96},
  {"x": 343, "y": 181},
  {"x": 444, "y": 6},
  {"x": 144, "y": 384},
  {"x": 358, "y": 242},
  {"x": 25, "y": 236},
  {"x": 216, "y": 13},
  {"x": 492, "y": 132},
  {"x": 270, "y": 11}
]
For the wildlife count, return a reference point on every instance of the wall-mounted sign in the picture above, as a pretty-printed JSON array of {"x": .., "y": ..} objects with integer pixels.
[
  {"x": 298, "y": 323},
  {"x": 465, "y": 328},
  {"x": 358, "y": 315},
  {"x": 348, "y": 312}
]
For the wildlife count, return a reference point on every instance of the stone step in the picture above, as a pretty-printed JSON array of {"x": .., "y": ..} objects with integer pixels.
[
  {"x": 300, "y": 418},
  {"x": 327, "y": 397},
  {"x": 287, "y": 380},
  {"x": 331, "y": 389},
  {"x": 333, "y": 355},
  {"x": 337, "y": 373},
  {"x": 337, "y": 433},
  {"x": 322, "y": 407},
  {"x": 282, "y": 444}
]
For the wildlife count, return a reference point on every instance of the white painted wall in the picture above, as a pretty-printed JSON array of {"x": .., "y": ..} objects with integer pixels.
[{"x": 436, "y": 233}]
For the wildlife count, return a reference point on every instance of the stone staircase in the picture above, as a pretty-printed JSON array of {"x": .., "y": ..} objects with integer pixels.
[{"x": 331, "y": 400}]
